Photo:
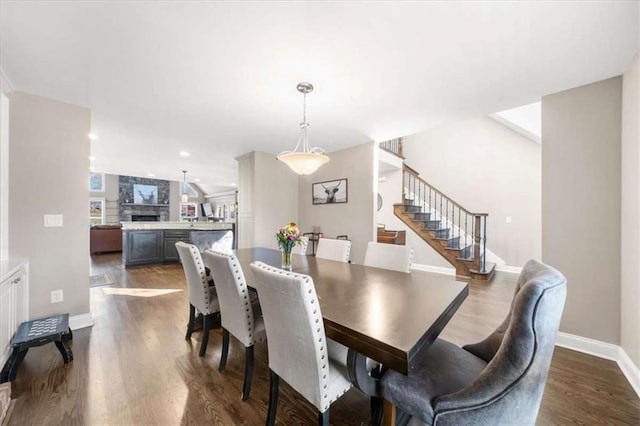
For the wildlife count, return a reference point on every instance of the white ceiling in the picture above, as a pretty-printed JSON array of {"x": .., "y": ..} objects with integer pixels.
[
  {"x": 218, "y": 79},
  {"x": 525, "y": 119}
]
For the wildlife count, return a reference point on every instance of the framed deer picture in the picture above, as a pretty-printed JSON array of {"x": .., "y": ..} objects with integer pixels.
[{"x": 329, "y": 192}]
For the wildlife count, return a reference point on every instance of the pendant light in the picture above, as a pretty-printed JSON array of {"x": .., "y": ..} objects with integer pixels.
[
  {"x": 185, "y": 197},
  {"x": 304, "y": 159}
]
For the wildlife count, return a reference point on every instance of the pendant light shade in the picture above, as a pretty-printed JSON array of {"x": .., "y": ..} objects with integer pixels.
[
  {"x": 304, "y": 159},
  {"x": 184, "y": 198}
]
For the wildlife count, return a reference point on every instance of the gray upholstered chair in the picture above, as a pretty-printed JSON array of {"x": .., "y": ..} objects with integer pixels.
[
  {"x": 299, "y": 351},
  {"x": 240, "y": 316},
  {"x": 331, "y": 249},
  {"x": 202, "y": 296},
  {"x": 499, "y": 381},
  {"x": 389, "y": 256}
]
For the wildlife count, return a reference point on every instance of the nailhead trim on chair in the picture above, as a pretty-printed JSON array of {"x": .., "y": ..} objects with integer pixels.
[
  {"x": 243, "y": 289},
  {"x": 309, "y": 293},
  {"x": 195, "y": 254}
]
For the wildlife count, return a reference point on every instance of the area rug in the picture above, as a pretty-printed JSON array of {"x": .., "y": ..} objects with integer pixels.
[{"x": 101, "y": 279}]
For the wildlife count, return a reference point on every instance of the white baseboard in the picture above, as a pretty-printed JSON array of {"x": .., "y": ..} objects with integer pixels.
[
  {"x": 451, "y": 271},
  {"x": 80, "y": 321},
  {"x": 511, "y": 269},
  {"x": 587, "y": 346},
  {"x": 435, "y": 269},
  {"x": 603, "y": 350},
  {"x": 630, "y": 370}
]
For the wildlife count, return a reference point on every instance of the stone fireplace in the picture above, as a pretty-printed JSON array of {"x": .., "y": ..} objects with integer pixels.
[{"x": 130, "y": 210}]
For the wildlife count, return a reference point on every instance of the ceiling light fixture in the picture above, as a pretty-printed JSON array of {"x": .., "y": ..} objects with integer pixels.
[
  {"x": 185, "y": 197},
  {"x": 93, "y": 136},
  {"x": 184, "y": 154},
  {"x": 150, "y": 175},
  {"x": 304, "y": 159}
]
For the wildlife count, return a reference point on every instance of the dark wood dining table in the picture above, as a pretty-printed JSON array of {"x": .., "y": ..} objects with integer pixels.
[{"x": 388, "y": 316}]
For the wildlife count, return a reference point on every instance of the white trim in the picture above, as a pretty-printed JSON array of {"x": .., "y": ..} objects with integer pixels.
[
  {"x": 603, "y": 350},
  {"x": 80, "y": 321},
  {"x": 5, "y": 83},
  {"x": 587, "y": 346},
  {"x": 511, "y": 269},
  {"x": 629, "y": 369},
  {"x": 435, "y": 269},
  {"x": 221, "y": 194}
]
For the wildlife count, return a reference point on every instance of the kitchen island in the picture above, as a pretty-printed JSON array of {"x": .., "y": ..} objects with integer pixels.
[{"x": 146, "y": 243}]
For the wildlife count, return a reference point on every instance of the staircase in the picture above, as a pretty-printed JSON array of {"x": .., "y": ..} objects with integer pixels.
[{"x": 456, "y": 233}]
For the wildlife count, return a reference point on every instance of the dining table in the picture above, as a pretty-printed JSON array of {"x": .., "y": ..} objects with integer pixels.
[{"x": 388, "y": 316}]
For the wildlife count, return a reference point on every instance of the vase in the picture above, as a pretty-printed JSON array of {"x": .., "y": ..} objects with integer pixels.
[{"x": 286, "y": 258}]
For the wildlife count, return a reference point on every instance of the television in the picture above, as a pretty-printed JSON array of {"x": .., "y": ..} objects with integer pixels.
[{"x": 206, "y": 209}]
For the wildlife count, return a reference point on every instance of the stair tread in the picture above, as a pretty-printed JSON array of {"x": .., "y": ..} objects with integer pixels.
[
  {"x": 489, "y": 266},
  {"x": 425, "y": 225}
]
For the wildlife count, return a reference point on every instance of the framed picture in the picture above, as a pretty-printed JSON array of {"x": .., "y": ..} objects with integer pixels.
[
  {"x": 188, "y": 210},
  {"x": 330, "y": 192},
  {"x": 96, "y": 182},
  {"x": 96, "y": 211},
  {"x": 145, "y": 194}
]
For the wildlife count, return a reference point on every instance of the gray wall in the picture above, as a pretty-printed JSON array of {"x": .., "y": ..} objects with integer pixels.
[
  {"x": 356, "y": 218},
  {"x": 275, "y": 198},
  {"x": 45, "y": 134},
  {"x": 630, "y": 225},
  {"x": 175, "y": 201},
  {"x": 581, "y": 204},
  {"x": 4, "y": 177},
  {"x": 267, "y": 199},
  {"x": 487, "y": 168}
]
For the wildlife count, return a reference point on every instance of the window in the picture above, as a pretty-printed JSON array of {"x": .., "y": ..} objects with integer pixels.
[
  {"x": 188, "y": 210},
  {"x": 96, "y": 182},
  {"x": 96, "y": 211},
  {"x": 186, "y": 188}
]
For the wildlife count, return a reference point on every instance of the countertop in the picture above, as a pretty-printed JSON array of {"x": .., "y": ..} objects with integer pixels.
[{"x": 195, "y": 226}]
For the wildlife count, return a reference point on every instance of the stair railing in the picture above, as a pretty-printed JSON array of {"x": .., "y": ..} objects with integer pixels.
[
  {"x": 462, "y": 228},
  {"x": 393, "y": 146}
]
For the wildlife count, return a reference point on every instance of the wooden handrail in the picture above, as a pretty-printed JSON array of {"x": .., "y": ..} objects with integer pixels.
[{"x": 416, "y": 175}]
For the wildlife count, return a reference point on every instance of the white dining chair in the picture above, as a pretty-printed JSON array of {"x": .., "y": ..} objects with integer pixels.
[
  {"x": 224, "y": 244},
  {"x": 389, "y": 256},
  {"x": 301, "y": 248},
  {"x": 331, "y": 249},
  {"x": 240, "y": 317},
  {"x": 202, "y": 295},
  {"x": 299, "y": 351}
]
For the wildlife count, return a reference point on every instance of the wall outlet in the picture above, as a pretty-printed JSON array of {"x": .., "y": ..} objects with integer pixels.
[{"x": 56, "y": 296}]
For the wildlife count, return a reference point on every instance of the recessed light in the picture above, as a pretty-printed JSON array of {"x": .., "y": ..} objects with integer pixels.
[
  {"x": 233, "y": 184},
  {"x": 92, "y": 158},
  {"x": 184, "y": 154},
  {"x": 93, "y": 136},
  {"x": 92, "y": 168},
  {"x": 150, "y": 174},
  {"x": 196, "y": 180}
]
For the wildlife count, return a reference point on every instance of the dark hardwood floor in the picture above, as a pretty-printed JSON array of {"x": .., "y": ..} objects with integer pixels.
[{"x": 135, "y": 367}]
